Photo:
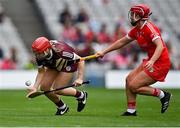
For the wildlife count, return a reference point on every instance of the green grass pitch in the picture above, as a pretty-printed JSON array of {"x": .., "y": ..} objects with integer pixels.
[{"x": 103, "y": 109}]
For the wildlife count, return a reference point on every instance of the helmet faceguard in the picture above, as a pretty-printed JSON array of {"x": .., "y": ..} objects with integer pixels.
[
  {"x": 44, "y": 55},
  {"x": 42, "y": 48},
  {"x": 133, "y": 18},
  {"x": 139, "y": 12}
]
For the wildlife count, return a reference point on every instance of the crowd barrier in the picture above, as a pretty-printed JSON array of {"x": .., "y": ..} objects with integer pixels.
[{"x": 113, "y": 79}]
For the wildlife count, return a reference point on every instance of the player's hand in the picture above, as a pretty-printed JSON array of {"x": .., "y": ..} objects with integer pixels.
[
  {"x": 149, "y": 65},
  {"x": 78, "y": 82},
  {"x": 31, "y": 90},
  {"x": 100, "y": 54}
]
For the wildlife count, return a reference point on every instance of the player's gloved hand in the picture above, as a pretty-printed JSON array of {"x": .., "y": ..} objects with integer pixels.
[
  {"x": 78, "y": 82},
  {"x": 31, "y": 90}
]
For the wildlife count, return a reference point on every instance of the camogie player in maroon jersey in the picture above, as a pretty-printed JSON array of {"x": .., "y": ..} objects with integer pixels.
[
  {"x": 53, "y": 72},
  {"x": 152, "y": 69}
]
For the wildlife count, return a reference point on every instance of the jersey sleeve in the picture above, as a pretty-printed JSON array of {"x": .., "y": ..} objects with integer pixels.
[
  {"x": 131, "y": 34},
  {"x": 67, "y": 55},
  {"x": 154, "y": 36},
  {"x": 76, "y": 56},
  {"x": 65, "y": 51},
  {"x": 152, "y": 33}
]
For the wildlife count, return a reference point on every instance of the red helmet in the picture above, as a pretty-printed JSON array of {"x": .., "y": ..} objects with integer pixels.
[
  {"x": 138, "y": 12},
  {"x": 41, "y": 44},
  {"x": 142, "y": 10}
]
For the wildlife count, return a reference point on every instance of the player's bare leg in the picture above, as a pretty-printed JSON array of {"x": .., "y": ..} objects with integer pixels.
[
  {"x": 131, "y": 96},
  {"x": 64, "y": 79},
  {"x": 46, "y": 83},
  {"x": 140, "y": 85}
]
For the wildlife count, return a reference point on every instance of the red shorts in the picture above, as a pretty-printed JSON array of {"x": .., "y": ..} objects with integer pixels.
[{"x": 159, "y": 70}]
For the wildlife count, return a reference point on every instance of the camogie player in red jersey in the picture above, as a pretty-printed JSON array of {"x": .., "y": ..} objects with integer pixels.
[
  {"x": 53, "y": 72},
  {"x": 152, "y": 69}
]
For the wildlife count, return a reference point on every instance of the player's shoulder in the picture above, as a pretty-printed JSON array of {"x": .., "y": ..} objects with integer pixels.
[
  {"x": 63, "y": 49},
  {"x": 57, "y": 43},
  {"x": 133, "y": 29},
  {"x": 150, "y": 27},
  {"x": 61, "y": 45}
]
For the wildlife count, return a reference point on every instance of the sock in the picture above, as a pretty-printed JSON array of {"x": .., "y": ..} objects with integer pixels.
[
  {"x": 161, "y": 94},
  {"x": 79, "y": 94},
  {"x": 131, "y": 107},
  {"x": 131, "y": 110},
  {"x": 60, "y": 104},
  {"x": 62, "y": 107},
  {"x": 156, "y": 92}
]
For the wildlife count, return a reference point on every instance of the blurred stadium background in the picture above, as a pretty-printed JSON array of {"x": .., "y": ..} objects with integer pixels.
[{"x": 86, "y": 25}]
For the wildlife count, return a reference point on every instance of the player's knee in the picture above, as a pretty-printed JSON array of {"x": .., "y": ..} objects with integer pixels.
[
  {"x": 132, "y": 87},
  {"x": 128, "y": 80},
  {"x": 129, "y": 83}
]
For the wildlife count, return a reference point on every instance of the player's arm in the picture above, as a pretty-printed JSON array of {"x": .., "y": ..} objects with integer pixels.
[
  {"x": 39, "y": 77},
  {"x": 36, "y": 85},
  {"x": 157, "y": 53},
  {"x": 81, "y": 70},
  {"x": 80, "y": 73},
  {"x": 116, "y": 45}
]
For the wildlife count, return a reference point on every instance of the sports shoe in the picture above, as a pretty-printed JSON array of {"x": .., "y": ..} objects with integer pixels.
[
  {"x": 129, "y": 114},
  {"x": 62, "y": 111},
  {"x": 82, "y": 102},
  {"x": 165, "y": 101}
]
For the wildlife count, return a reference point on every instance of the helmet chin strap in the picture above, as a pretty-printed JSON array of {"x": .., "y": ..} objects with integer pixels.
[
  {"x": 135, "y": 23},
  {"x": 133, "y": 18},
  {"x": 50, "y": 54}
]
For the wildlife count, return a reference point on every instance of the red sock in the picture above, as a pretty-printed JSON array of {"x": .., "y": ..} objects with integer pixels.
[
  {"x": 132, "y": 105},
  {"x": 156, "y": 92}
]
